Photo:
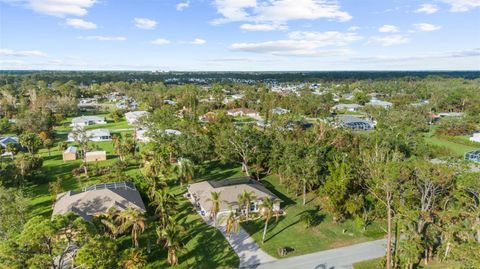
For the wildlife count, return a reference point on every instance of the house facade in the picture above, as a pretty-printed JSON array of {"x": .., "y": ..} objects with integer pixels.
[
  {"x": 133, "y": 118},
  {"x": 243, "y": 112},
  {"x": 229, "y": 189},
  {"x": 96, "y": 135},
  {"x": 87, "y": 120},
  {"x": 347, "y": 107},
  {"x": 95, "y": 156},
  {"x": 70, "y": 154},
  {"x": 475, "y": 137}
]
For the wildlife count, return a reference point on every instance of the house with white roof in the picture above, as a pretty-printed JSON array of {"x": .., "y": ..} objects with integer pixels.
[
  {"x": 379, "y": 103},
  {"x": 96, "y": 135},
  {"x": 475, "y": 137},
  {"x": 243, "y": 112},
  {"x": 280, "y": 111},
  {"x": 4, "y": 141},
  {"x": 87, "y": 120},
  {"x": 347, "y": 107},
  {"x": 134, "y": 117}
]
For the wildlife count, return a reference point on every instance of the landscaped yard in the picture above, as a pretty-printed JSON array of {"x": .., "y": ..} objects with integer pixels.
[
  {"x": 111, "y": 125},
  {"x": 291, "y": 232},
  {"x": 378, "y": 264},
  {"x": 459, "y": 149}
]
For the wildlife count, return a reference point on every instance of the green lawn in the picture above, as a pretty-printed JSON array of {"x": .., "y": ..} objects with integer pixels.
[
  {"x": 456, "y": 148},
  {"x": 370, "y": 264},
  {"x": 205, "y": 247},
  {"x": 122, "y": 124},
  {"x": 290, "y": 232},
  {"x": 378, "y": 264}
]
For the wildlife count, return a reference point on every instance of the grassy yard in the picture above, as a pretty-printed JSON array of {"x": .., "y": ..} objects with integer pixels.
[
  {"x": 122, "y": 124},
  {"x": 456, "y": 148},
  {"x": 205, "y": 247},
  {"x": 378, "y": 264},
  {"x": 290, "y": 232}
]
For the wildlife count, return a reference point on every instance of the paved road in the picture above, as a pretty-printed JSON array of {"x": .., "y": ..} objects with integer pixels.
[{"x": 331, "y": 259}]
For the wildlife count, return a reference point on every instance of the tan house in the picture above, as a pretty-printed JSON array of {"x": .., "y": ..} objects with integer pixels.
[
  {"x": 200, "y": 194},
  {"x": 95, "y": 156},
  {"x": 98, "y": 199},
  {"x": 70, "y": 154}
]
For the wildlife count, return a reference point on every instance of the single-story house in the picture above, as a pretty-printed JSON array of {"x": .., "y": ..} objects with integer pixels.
[
  {"x": 169, "y": 102},
  {"x": 87, "y": 120},
  {"x": 172, "y": 132},
  {"x": 473, "y": 156},
  {"x": 347, "y": 107},
  {"x": 450, "y": 114},
  {"x": 141, "y": 135},
  {"x": 280, "y": 111},
  {"x": 229, "y": 189},
  {"x": 70, "y": 154},
  {"x": 96, "y": 135},
  {"x": 98, "y": 199},
  {"x": 95, "y": 156},
  {"x": 243, "y": 112},
  {"x": 355, "y": 123},
  {"x": 380, "y": 103},
  {"x": 4, "y": 141},
  {"x": 134, "y": 116},
  {"x": 475, "y": 137}
]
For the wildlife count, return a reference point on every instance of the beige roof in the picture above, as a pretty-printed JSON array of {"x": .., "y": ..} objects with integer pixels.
[
  {"x": 95, "y": 153},
  {"x": 98, "y": 199},
  {"x": 229, "y": 190}
]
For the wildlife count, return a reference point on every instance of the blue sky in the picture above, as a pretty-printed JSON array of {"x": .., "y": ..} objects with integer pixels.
[{"x": 243, "y": 35}]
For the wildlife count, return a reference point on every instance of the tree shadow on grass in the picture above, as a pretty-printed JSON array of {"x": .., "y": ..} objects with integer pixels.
[{"x": 286, "y": 201}]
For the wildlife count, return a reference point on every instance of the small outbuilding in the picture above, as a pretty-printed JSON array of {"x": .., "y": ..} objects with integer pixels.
[
  {"x": 70, "y": 154},
  {"x": 95, "y": 156}
]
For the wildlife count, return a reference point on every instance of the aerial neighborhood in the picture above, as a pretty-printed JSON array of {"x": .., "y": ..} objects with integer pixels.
[{"x": 232, "y": 173}]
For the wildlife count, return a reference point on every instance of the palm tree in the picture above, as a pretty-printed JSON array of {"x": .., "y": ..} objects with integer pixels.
[
  {"x": 165, "y": 205},
  {"x": 232, "y": 224},
  {"x": 186, "y": 170},
  {"x": 266, "y": 209},
  {"x": 133, "y": 259},
  {"x": 215, "y": 199},
  {"x": 132, "y": 218},
  {"x": 245, "y": 199},
  {"x": 172, "y": 235}
]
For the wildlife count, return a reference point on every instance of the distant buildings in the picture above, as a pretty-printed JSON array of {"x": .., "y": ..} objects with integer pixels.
[
  {"x": 379, "y": 103},
  {"x": 95, "y": 156},
  {"x": 98, "y": 199},
  {"x": 70, "y": 154},
  {"x": 280, "y": 111},
  {"x": 243, "y": 112},
  {"x": 347, "y": 107},
  {"x": 134, "y": 117},
  {"x": 355, "y": 123},
  {"x": 87, "y": 120},
  {"x": 475, "y": 137},
  {"x": 96, "y": 135}
]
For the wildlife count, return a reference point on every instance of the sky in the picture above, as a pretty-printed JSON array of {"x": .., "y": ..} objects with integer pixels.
[{"x": 240, "y": 35}]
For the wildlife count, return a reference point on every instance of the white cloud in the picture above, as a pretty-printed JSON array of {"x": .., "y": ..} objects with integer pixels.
[
  {"x": 388, "y": 29},
  {"x": 426, "y": 27},
  {"x": 81, "y": 24},
  {"x": 198, "y": 41},
  {"x": 302, "y": 44},
  {"x": 279, "y": 11},
  {"x": 5, "y": 64},
  {"x": 389, "y": 40},
  {"x": 22, "y": 53},
  {"x": 353, "y": 28},
  {"x": 263, "y": 27},
  {"x": 427, "y": 9},
  {"x": 59, "y": 8},
  {"x": 183, "y": 5},
  {"x": 144, "y": 23},
  {"x": 103, "y": 38},
  {"x": 451, "y": 54},
  {"x": 160, "y": 41},
  {"x": 462, "y": 5}
]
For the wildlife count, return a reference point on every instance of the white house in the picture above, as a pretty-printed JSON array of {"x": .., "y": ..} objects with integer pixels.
[
  {"x": 96, "y": 135},
  {"x": 347, "y": 107},
  {"x": 475, "y": 137},
  {"x": 4, "y": 141},
  {"x": 280, "y": 111},
  {"x": 87, "y": 120},
  {"x": 380, "y": 103},
  {"x": 134, "y": 116},
  {"x": 243, "y": 112},
  {"x": 229, "y": 189}
]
